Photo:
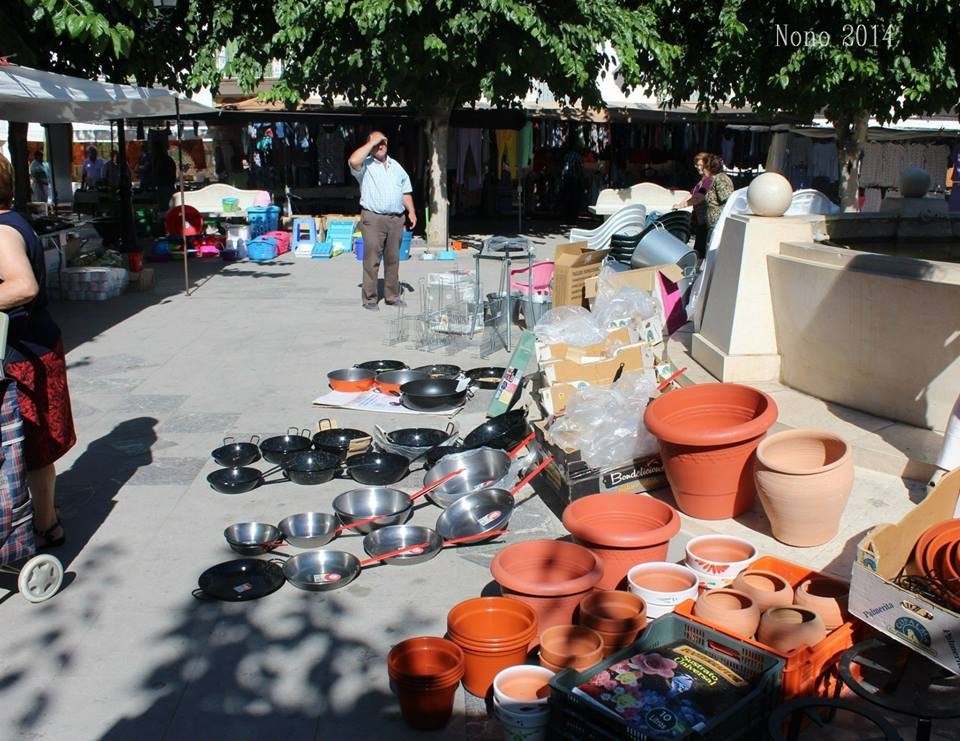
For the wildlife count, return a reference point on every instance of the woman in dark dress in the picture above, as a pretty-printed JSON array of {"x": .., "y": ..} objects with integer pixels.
[
  {"x": 34, "y": 359},
  {"x": 698, "y": 199}
]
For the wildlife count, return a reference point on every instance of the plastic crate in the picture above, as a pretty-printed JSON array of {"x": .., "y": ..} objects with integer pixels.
[
  {"x": 576, "y": 718},
  {"x": 808, "y": 670}
]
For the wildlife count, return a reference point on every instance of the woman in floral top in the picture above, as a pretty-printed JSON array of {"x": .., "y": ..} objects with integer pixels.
[{"x": 720, "y": 190}]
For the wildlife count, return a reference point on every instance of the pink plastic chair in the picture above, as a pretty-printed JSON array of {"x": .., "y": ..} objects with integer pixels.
[{"x": 539, "y": 277}]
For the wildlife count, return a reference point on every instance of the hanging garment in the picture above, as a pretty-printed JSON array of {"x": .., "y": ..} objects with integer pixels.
[
  {"x": 469, "y": 152},
  {"x": 507, "y": 151},
  {"x": 525, "y": 158},
  {"x": 726, "y": 149}
]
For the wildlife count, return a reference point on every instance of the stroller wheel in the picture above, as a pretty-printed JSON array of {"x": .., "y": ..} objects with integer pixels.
[{"x": 40, "y": 578}]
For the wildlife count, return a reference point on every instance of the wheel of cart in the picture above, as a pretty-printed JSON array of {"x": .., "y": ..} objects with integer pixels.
[{"x": 39, "y": 577}]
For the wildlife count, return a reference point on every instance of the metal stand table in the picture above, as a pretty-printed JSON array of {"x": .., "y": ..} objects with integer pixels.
[
  {"x": 504, "y": 250},
  {"x": 896, "y": 678}
]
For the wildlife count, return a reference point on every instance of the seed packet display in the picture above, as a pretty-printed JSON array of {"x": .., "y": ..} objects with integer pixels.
[{"x": 670, "y": 692}]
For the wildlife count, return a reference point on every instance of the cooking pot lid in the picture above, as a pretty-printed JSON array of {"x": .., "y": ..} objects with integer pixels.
[{"x": 241, "y": 580}]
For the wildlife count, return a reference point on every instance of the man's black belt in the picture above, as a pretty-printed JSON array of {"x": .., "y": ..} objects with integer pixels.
[{"x": 392, "y": 213}]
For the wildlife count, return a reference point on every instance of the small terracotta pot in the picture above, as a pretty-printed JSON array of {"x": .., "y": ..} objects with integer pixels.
[
  {"x": 733, "y": 610},
  {"x": 551, "y": 576},
  {"x": 622, "y": 530},
  {"x": 571, "y": 646},
  {"x": 804, "y": 479},
  {"x": 617, "y": 617},
  {"x": 708, "y": 434},
  {"x": 788, "y": 628},
  {"x": 662, "y": 585},
  {"x": 717, "y": 559},
  {"x": 826, "y": 597},
  {"x": 766, "y": 588}
]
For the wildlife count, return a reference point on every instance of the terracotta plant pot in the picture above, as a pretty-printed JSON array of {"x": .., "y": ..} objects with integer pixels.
[
  {"x": 708, "y": 434},
  {"x": 765, "y": 588},
  {"x": 517, "y": 687},
  {"x": 425, "y": 672},
  {"x": 617, "y": 617},
  {"x": 551, "y": 576},
  {"x": 571, "y": 647},
  {"x": 717, "y": 559},
  {"x": 494, "y": 633},
  {"x": 734, "y": 611},
  {"x": 662, "y": 585},
  {"x": 788, "y": 628},
  {"x": 622, "y": 530},
  {"x": 804, "y": 479},
  {"x": 826, "y": 597}
]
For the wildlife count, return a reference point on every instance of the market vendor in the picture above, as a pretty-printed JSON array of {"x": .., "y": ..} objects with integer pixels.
[
  {"x": 35, "y": 360},
  {"x": 93, "y": 169}
]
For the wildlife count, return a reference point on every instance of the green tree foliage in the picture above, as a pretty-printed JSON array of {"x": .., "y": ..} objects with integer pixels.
[
  {"x": 846, "y": 59},
  {"x": 431, "y": 55}
]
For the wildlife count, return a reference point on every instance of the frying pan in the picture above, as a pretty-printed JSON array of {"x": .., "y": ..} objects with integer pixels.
[
  {"x": 341, "y": 440},
  {"x": 239, "y": 580},
  {"x": 321, "y": 571},
  {"x": 431, "y": 543},
  {"x": 378, "y": 469},
  {"x": 310, "y": 467},
  {"x": 252, "y": 538},
  {"x": 484, "y": 510},
  {"x": 502, "y": 432},
  {"x": 281, "y": 448},
  {"x": 485, "y": 378},
  {"x": 433, "y": 393},
  {"x": 232, "y": 453},
  {"x": 390, "y": 382},
  {"x": 382, "y": 366},
  {"x": 351, "y": 379},
  {"x": 237, "y": 480},
  {"x": 441, "y": 370}
]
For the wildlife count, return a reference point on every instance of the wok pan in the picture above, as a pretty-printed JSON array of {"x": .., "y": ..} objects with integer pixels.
[
  {"x": 252, "y": 538},
  {"x": 502, "y": 432},
  {"x": 428, "y": 543},
  {"x": 341, "y": 441},
  {"x": 390, "y": 382},
  {"x": 378, "y": 469},
  {"x": 354, "y": 508},
  {"x": 232, "y": 453},
  {"x": 237, "y": 480},
  {"x": 282, "y": 448},
  {"x": 321, "y": 571},
  {"x": 382, "y": 366},
  {"x": 421, "y": 437},
  {"x": 310, "y": 467},
  {"x": 481, "y": 465},
  {"x": 441, "y": 370},
  {"x": 434, "y": 393},
  {"x": 351, "y": 379}
]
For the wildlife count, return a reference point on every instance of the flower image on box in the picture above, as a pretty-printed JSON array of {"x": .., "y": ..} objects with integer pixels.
[{"x": 671, "y": 692}]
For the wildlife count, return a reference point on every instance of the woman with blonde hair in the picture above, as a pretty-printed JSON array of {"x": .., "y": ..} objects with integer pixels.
[{"x": 35, "y": 360}]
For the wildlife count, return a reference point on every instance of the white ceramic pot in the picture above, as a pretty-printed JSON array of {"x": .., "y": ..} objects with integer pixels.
[
  {"x": 662, "y": 585},
  {"x": 769, "y": 194},
  {"x": 717, "y": 559}
]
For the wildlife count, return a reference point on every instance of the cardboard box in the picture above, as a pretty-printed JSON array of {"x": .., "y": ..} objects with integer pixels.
[
  {"x": 660, "y": 280},
  {"x": 601, "y": 372},
  {"x": 573, "y": 263},
  {"x": 905, "y": 616},
  {"x": 571, "y": 478},
  {"x": 585, "y": 353}
]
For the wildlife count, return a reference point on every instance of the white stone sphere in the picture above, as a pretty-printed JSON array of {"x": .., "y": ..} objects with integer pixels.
[
  {"x": 914, "y": 182},
  {"x": 769, "y": 194}
]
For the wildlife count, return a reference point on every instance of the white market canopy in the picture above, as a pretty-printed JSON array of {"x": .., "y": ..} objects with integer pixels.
[{"x": 46, "y": 97}]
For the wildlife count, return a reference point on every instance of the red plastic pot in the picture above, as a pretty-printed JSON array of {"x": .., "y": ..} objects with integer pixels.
[
  {"x": 551, "y": 576},
  {"x": 425, "y": 661},
  {"x": 622, "y": 530},
  {"x": 708, "y": 437}
]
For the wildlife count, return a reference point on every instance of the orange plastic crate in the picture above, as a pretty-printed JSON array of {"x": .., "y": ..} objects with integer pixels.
[{"x": 809, "y": 670}]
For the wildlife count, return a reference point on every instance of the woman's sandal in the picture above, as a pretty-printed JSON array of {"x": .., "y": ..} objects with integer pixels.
[{"x": 45, "y": 538}]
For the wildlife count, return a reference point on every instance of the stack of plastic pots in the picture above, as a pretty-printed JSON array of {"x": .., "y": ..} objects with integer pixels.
[
  {"x": 425, "y": 672},
  {"x": 494, "y": 633},
  {"x": 617, "y": 617},
  {"x": 520, "y": 695}
]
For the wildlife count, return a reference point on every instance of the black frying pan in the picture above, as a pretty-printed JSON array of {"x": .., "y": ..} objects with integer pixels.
[
  {"x": 240, "y": 580},
  {"x": 419, "y": 437},
  {"x": 503, "y": 432},
  {"x": 233, "y": 453},
  {"x": 312, "y": 467},
  {"x": 441, "y": 370},
  {"x": 485, "y": 378},
  {"x": 281, "y": 448},
  {"x": 237, "y": 480},
  {"x": 337, "y": 440},
  {"x": 434, "y": 393},
  {"x": 378, "y": 469},
  {"x": 381, "y": 366}
]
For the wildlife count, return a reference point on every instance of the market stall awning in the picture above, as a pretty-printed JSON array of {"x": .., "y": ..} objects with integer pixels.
[{"x": 46, "y": 97}]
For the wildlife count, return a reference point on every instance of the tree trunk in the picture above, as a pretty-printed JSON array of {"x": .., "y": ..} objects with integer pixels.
[
  {"x": 438, "y": 131},
  {"x": 851, "y": 132}
]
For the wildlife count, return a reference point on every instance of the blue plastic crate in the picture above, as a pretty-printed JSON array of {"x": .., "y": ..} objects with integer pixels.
[
  {"x": 322, "y": 251},
  {"x": 261, "y": 249}
]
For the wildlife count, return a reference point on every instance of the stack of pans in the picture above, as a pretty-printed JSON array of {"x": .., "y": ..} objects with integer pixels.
[
  {"x": 677, "y": 223},
  {"x": 622, "y": 246}
]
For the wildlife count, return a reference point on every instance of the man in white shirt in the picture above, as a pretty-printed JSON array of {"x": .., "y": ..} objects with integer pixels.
[
  {"x": 92, "y": 169},
  {"x": 386, "y": 200}
]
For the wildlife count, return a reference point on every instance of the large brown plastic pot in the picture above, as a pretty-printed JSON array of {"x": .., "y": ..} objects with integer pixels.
[
  {"x": 551, "y": 576},
  {"x": 708, "y": 435},
  {"x": 425, "y": 672},
  {"x": 804, "y": 479},
  {"x": 622, "y": 530}
]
